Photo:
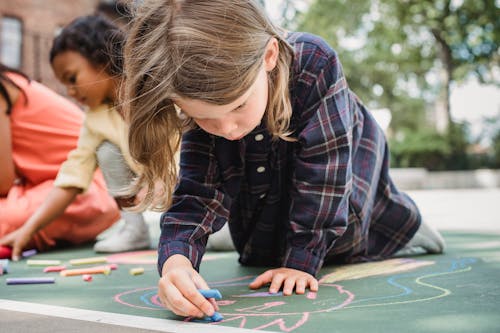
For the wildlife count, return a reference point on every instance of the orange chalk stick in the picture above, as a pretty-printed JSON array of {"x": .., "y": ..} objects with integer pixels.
[{"x": 90, "y": 270}]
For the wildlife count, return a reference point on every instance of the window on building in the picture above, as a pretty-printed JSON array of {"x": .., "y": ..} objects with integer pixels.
[{"x": 11, "y": 41}]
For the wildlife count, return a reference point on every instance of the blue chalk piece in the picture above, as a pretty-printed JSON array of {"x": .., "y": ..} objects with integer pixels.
[
  {"x": 201, "y": 320},
  {"x": 5, "y": 265},
  {"x": 28, "y": 253},
  {"x": 216, "y": 317},
  {"x": 210, "y": 293}
]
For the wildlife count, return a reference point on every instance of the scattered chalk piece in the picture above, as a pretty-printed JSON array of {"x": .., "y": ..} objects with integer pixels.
[
  {"x": 51, "y": 269},
  {"x": 30, "y": 280},
  {"x": 136, "y": 271},
  {"x": 5, "y": 265},
  {"x": 85, "y": 261},
  {"x": 214, "y": 318},
  {"x": 87, "y": 277},
  {"x": 28, "y": 253},
  {"x": 35, "y": 262},
  {"x": 106, "y": 270},
  {"x": 210, "y": 293}
]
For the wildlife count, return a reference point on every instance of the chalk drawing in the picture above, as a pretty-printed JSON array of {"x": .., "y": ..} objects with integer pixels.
[{"x": 262, "y": 310}]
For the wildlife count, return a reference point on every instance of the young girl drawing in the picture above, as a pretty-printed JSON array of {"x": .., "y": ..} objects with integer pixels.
[
  {"x": 87, "y": 58},
  {"x": 277, "y": 146},
  {"x": 38, "y": 128}
]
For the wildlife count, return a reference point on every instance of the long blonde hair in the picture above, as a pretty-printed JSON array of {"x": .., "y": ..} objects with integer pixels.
[{"x": 208, "y": 50}]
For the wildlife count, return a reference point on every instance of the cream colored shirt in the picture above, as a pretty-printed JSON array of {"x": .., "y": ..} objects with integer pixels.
[{"x": 102, "y": 123}]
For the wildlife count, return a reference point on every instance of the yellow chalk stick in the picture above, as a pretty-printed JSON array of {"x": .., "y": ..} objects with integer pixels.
[
  {"x": 136, "y": 271},
  {"x": 34, "y": 262},
  {"x": 85, "y": 261},
  {"x": 106, "y": 270}
]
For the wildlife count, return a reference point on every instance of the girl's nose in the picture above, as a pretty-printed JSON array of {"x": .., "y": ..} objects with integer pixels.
[
  {"x": 225, "y": 127},
  {"x": 71, "y": 91}
]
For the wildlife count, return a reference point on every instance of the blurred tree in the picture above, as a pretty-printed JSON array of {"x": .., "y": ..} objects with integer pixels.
[
  {"x": 426, "y": 148},
  {"x": 375, "y": 54},
  {"x": 390, "y": 49},
  {"x": 496, "y": 150},
  {"x": 404, "y": 54},
  {"x": 465, "y": 34}
]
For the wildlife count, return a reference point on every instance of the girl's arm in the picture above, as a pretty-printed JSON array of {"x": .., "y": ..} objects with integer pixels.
[
  {"x": 322, "y": 179},
  {"x": 7, "y": 170},
  {"x": 54, "y": 205},
  {"x": 199, "y": 207}
]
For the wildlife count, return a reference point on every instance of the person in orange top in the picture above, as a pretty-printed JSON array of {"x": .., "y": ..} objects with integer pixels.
[{"x": 38, "y": 128}]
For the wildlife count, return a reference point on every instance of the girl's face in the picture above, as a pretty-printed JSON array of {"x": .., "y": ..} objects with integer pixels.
[
  {"x": 86, "y": 83},
  {"x": 235, "y": 120}
]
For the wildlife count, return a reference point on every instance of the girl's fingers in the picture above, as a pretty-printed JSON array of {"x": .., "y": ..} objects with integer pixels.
[
  {"x": 191, "y": 292},
  {"x": 262, "y": 279},
  {"x": 180, "y": 304},
  {"x": 201, "y": 284},
  {"x": 313, "y": 284},
  {"x": 276, "y": 283},
  {"x": 289, "y": 285},
  {"x": 300, "y": 286},
  {"x": 179, "y": 293},
  {"x": 17, "y": 249}
]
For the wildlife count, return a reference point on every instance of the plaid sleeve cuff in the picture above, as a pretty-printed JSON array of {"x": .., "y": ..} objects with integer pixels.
[
  {"x": 168, "y": 249},
  {"x": 303, "y": 260}
]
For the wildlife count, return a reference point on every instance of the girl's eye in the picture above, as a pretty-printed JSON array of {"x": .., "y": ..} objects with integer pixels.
[
  {"x": 72, "y": 79},
  {"x": 241, "y": 107}
]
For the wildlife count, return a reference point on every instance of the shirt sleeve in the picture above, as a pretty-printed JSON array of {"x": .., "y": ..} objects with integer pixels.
[
  {"x": 79, "y": 167},
  {"x": 199, "y": 205},
  {"x": 322, "y": 177}
]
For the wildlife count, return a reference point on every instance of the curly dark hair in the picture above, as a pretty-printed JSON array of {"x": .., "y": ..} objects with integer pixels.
[
  {"x": 96, "y": 38},
  {"x": 5, "y": 79}
]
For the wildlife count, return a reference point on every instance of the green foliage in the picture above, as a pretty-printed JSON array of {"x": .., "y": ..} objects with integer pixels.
[
  {"x": 427, "y": 148},
  {"x": 467, "y": 29},
  {"x": 402, "y": 45},
  {"x": 496, "y": 150}
]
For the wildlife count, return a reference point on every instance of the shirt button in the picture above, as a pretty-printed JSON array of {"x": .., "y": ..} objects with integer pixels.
[
  {"x": 261, "y": 169},
  {"x": 259, "y": 137}
]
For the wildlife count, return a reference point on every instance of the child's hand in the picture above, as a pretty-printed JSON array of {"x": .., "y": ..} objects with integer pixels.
[
  {"x": 18, "y": 240},
  {"x": 178, "y": 289},
  {"x": 288, "y": 277}
]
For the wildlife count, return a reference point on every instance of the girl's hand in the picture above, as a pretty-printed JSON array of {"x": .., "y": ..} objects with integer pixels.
[
  {"x": 288, "y": 277},
  {"x": 178, "y": 289},
  {"x": 18, "y": 240}
]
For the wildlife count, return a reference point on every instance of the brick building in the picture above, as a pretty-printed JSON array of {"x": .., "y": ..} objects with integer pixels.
[{"x": 27, "y": 28}]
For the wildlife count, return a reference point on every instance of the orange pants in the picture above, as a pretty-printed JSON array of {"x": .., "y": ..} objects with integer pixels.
[{"x": 91, "y": 213}]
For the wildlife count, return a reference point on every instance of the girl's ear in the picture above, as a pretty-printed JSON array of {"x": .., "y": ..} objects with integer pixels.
[{"x": 271, "y": 54}]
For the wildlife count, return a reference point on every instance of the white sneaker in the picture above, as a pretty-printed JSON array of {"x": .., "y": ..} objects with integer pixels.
[
  {"x": 134, "y": 235},
  {"x": 426, "y": 240}
]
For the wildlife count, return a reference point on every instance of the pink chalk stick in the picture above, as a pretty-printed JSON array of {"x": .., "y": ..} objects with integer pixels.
[{"x": 50, "y": 269}]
